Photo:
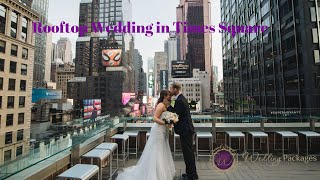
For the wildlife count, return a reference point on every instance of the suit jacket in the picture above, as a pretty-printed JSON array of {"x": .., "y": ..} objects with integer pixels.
[{"x": 184, "y": 125}]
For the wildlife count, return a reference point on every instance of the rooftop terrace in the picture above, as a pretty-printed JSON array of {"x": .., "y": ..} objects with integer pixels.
[{"x": 51, "y": 157}]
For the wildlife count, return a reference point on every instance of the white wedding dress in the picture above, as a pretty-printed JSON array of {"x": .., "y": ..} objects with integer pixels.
[{"x": 156, "y": 162}]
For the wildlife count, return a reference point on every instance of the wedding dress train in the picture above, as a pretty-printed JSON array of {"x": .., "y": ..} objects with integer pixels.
[{"x": 156, "y": 162}]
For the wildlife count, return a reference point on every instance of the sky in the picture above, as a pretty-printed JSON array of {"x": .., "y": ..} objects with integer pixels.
[{"x": 144, "y": 12}]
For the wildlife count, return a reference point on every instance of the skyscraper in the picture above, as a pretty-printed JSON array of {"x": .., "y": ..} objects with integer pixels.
[
  {"x": 64, "y": 73},
  {"x": 172, "y": 50},
  {"x": 195, "y": 47},
  {"x": 41, "y": 7},
  {"x": 53, "y": 51},
  {"x": 150, "y": 78},
  {"x": 63, "y": 49},
  {"x": 48, "y": 61},
  {"x": 90, "y": 66},
  {"x": 277, "y": 70},
  {"x": 17, "y": 47},
  {"x": 160, "y": 63},
  {"x": 138, "y": 63},
  {"x": 215, "y": 82}
]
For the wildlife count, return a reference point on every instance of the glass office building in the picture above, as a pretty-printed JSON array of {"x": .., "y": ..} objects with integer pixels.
[
  {"x": 41, "y": 7},
  {"x": 113, "y": 11},
  {"x": 277, "y": 70}
]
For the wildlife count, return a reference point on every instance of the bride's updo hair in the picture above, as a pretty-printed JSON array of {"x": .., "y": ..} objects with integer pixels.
[{"x": 163, "y": 94}]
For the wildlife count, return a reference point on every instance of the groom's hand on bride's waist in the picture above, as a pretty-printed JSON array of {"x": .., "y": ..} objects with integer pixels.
[{"x": 170, "y": 109}]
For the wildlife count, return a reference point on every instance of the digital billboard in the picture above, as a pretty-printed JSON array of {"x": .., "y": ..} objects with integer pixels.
[
  {"x": 136, "y": 107},
  {"x": 150, "y": 80},
  {"x": 164, "y": 79},
  {"x": 111, "y": 57},
  {"x": 126, "y": 97},
  {"x": 180, "y": 69},
  {"x": 38, "y": 94},
  {"x": 91, "y": 108}
]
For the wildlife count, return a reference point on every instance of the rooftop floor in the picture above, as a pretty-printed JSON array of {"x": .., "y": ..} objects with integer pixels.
[{"x": 250, "y": 170}]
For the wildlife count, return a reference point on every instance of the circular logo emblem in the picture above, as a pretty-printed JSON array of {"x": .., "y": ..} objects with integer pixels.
[{"x": 224, "y": 158}]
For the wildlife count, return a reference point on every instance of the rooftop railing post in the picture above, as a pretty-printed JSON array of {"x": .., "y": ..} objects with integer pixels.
[
  {"x": 214, "y": 130},
  {"x": 108, "y": 135},
  {"x": 75, "y": 154},
  {"x": 262, "y": 121},
  {"x": 124, "y": 124},
  {"x": 313, "y": 124}
]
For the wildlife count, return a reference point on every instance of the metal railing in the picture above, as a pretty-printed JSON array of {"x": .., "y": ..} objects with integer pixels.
[{"x": 77, "y": 132}]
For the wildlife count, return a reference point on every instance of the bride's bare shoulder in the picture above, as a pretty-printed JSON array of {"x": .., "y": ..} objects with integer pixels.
[{"x": 160, "y": 106}]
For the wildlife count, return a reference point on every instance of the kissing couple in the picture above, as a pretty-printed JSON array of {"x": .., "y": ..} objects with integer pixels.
[{"x": 156, "y": 162}]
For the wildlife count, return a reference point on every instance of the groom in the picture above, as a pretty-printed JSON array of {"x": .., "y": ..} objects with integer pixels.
[{"x": 185, "y": 129}]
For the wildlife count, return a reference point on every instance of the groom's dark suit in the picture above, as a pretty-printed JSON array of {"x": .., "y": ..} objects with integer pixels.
[{"x": 185, "y": 129}]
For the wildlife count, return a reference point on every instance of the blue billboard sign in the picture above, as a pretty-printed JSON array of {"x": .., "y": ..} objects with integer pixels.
[{"x": 38, "y": 94}]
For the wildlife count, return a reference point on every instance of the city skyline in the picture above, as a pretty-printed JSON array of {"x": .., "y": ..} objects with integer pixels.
[{"x": 60, "y": 11}]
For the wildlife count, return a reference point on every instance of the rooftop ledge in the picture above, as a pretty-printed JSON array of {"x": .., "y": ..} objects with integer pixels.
[{"x": 109, "y": 127}]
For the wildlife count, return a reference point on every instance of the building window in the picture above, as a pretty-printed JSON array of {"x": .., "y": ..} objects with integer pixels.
[
  {"x": 12, "y": 85},
  {"x": 8, "y": 138},
  {"x": 9, "y": 121},
  {"x": 1, "y": 83},
  {"x": 1, "y": 64},
  {"x": 0, "y": 106},
  {"x": 7, "y": 155},
  {"x": 10, "y": 103},
  {"x": 2, "y": 46},
  {"x": 24, "y": 69},
  {"x": 23, "y": 85},
  {"x": 3, "y": 12},
  {"x": 14, "y": 50},
  {"x": 24, "y": 31},
  {"x": 313, "y": 14},
  {"x": 20, "y": 135},
  {"x": 315, "y": 35},
  {"x": 13, "y": 67},
  {"x": 14, "y": 21},
  {"x": 316, "y": 56},
  {"x": 21, "y": 118},
  {"x": 19, "y": 151},
  {"x": 24, "y": 53},
  {"x": 22, "y": 101}
]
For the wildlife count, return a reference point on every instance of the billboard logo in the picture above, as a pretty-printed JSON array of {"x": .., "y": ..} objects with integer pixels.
[
  {"x": 39, "y": 93},
  {"x": 91, "y": 108},
  {"x": 52, "y": 94},
  {"x": 111, "y": 57},
  {"x": 180, "y": 69},
  {"x": 164, "y": 79},
  {"x": 172, "y": 34},
  {"x": 224, "y": 159}
]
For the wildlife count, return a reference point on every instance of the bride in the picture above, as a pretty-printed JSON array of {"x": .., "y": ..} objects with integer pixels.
[{"x": 156, "y": 162}]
